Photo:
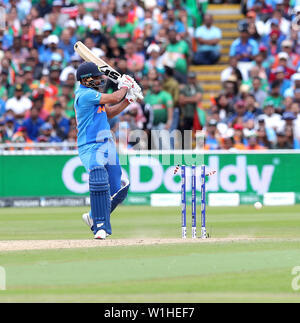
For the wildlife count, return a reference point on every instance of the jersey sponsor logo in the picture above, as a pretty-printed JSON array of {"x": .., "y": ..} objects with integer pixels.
[{"x": 101, "y": 109}]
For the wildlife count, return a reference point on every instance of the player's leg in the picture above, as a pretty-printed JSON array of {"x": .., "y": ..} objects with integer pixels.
[
  {"x": 94, "y": 158},
  {"x": 85, "y": 156},
  {"x": 100, "y": 201},
  {"x": 118, "y": 187}
]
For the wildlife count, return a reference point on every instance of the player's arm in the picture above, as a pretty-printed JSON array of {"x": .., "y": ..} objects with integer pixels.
[
  {"x": 114, "y": 97},
  {"x": 116, "y": 109}
]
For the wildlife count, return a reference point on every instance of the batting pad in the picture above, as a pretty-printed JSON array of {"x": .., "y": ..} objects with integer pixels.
[
  {"x": 120, "y": 196},
  {"x": 100, "y": 199}
]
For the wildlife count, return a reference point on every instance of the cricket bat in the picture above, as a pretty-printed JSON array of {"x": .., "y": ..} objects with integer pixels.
[{"x": 87, "y": 55}]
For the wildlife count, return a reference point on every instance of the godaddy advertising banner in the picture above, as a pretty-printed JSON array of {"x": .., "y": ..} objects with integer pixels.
[{"x": 241, "y": 178}]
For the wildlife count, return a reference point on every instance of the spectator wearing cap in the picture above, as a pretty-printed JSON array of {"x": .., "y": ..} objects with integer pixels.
[
  {"x": 293, "y": 58},
  {"x": 46, "y": 135},
  {"x": 253, "y": 25},
  {"x": 277, "y": 18},
  {"x": 155, "y": 60},
  {"x": 94, "y": 32},
  {"x": 211, "y": 135},
  {"x": 244, "y": 48},
  {"x": 295, "y": 84},
  {"x": 71, "y": 68},
  {"x": 282, "y": 61},
  {"x": 271, "y": 118},
  {"x": 47, "y": 29},
  {"x": 18, "y": 103},
  {"x": 238, "y": 137},
  {"x": 176, "y": 54},
  {"x": 33, "y": 123},
  {"x": 71, "y": 26},
  {"x": 272, "y": 42},
  {"x": 208, "y": 38},
  {"x": 189, "y": 99},
  {"x": 46, "y": 55},
  {"x": 122, "y": 30}
]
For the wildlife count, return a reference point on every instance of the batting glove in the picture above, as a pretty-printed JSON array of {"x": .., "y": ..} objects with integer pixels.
[
  {"x": 132, "y": 95},
  {"x": 126, "y": 81}
]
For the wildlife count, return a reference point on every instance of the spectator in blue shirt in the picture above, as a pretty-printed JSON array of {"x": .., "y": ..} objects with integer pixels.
[
  {"x": 2, "y": 107},
  {"x": 175, "y": 23},
  {"x": 244, "y": 48},
  {"x": 33, "y": 124},
  {"x": 208, "y": 38},
  {"x": 211, "y": 141},
  {"x": 46, "y": 134},
  {"x": 7, "y": 39},
  {"x": 66, "y": 44},
  {"x": 241, "y": 115},
  {"x": 62, "y": 124},
  {"x": 46, "y": 55}
]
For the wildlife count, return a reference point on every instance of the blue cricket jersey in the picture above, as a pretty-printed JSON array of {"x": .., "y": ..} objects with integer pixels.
[{"x": 91, "y": 117}]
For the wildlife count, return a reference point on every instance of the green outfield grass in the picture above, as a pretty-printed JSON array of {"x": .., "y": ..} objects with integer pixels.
[{"x": 233, "y": 271}]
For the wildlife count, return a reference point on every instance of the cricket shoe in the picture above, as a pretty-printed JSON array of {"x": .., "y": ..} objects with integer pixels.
[
  {"x": 100, "y": 235},
  {"x": 88, "y": 220}
]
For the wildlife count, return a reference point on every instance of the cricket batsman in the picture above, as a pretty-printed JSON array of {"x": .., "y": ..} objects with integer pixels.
[{"x": 96, "y": 146}]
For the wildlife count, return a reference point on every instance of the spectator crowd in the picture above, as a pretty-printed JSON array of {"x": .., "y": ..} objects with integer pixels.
[{"x": 157, "y": 42}]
